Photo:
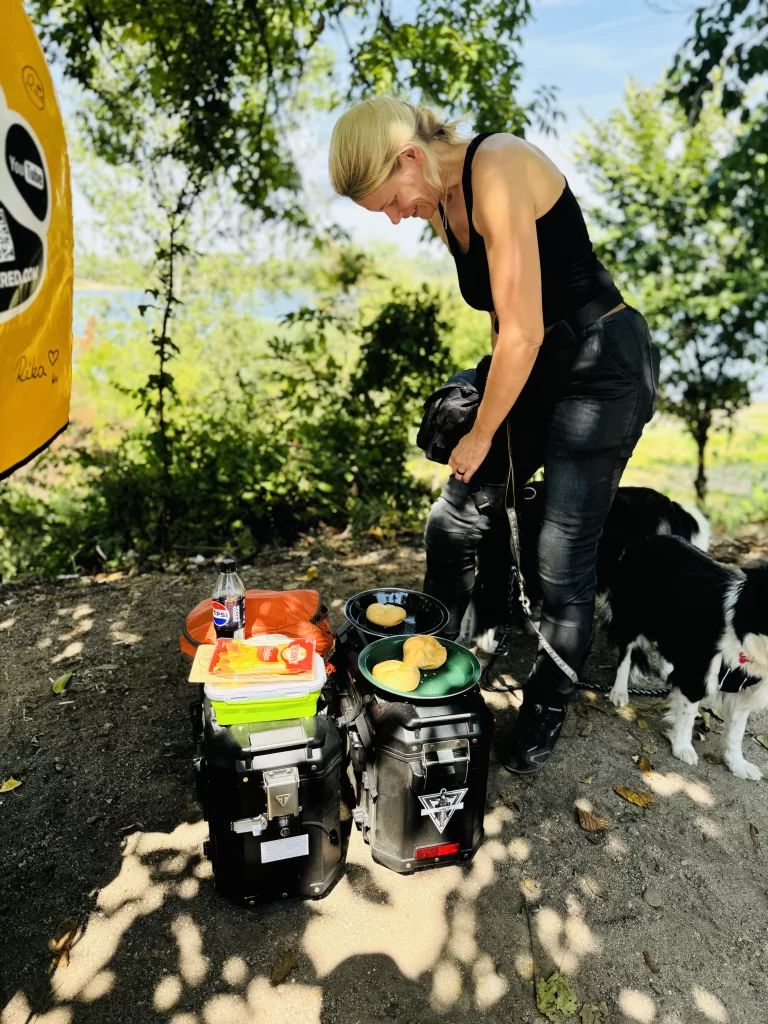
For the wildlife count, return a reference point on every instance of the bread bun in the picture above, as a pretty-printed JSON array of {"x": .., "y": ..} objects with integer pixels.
[
  {"x": 397, "y": 675},
  {"x": 424, "y": 652}
]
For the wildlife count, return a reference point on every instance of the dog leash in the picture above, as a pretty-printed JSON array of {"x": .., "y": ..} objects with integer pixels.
[{"x": 517, "y": 575}]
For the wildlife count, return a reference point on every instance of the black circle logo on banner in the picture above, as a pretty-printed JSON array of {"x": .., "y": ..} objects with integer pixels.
[
  {"x": 23, "y": 160},
  {"x": 21, "y": 261}
]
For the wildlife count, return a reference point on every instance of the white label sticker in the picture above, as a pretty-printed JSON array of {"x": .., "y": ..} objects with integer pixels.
[
  {"x": 441, "y": 806},
  {"x": 282, "y": 849}
]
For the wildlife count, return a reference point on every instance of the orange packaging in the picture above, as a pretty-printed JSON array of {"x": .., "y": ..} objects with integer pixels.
[{"x": 293, "y": 660}]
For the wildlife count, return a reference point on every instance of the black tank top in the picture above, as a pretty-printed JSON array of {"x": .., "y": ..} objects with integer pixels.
[{"x": 571, "y": 274}]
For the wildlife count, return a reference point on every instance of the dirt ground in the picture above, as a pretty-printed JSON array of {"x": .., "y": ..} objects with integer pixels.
[{"x": 661, "y": 918}]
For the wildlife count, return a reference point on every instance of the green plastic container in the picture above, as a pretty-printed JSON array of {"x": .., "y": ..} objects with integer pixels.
[
  {"x": 460, "y": 672},
  {"x": 266, "y": 710}
]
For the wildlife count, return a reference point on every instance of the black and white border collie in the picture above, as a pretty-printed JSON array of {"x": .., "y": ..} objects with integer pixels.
[
  {"x": 636, "y": 513},
  {"x": 710, "y": 626}
]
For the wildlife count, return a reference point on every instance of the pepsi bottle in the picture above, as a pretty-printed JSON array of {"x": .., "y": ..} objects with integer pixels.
[{"x": 229, "y": 603}]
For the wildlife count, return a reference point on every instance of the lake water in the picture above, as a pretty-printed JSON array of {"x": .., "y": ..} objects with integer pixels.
[{"x": 119, "y": 304}]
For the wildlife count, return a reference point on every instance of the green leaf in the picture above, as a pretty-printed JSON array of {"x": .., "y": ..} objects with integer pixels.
[
  {"x": 61, "y": 683},
  {"x": 555, "y": 998}
]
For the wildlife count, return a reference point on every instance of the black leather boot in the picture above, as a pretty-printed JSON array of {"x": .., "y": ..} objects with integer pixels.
[{"x": 534, "y": 735}]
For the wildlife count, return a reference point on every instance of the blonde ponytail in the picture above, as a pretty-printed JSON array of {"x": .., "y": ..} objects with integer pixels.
[{"x": 368, "y": 138}]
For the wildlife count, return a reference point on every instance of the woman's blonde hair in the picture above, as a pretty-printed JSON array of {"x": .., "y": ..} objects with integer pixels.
[{"x": 367, "y": 140}]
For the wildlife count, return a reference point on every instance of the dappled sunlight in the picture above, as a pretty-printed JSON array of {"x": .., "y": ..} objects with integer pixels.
[
  {"x": 8, "y": 623},
  {"x": 79, "y": 630},
  {"x": 446, "y": 985},
  {"x": 81, "y": 610},
  {"x": 671, "y": 784},
  {"x": 411, "y": 927},
  {"x": 235, "y": 971},
  {"x": 637, "y": 1006},
  {"x": 490, "y": 986},
  {"x": 524, "y": 966},
  {"x": 591, "y": 888},
  {"x": 519, "y": 849},
  {"x": 168, "y": 992},
  {"x": 18, "y": 1011},
  {"x": 710, "y": 1006},
  {"x": 70, "y": 651},
  {"x": 628, "y": 713},
  {"x": 567, "y": 941},
  {"x": 617, "y": 848},
  {"x": 709, "y": 829},
  {"x": 193, "y": 966},
  {"x": 499, "y": 700},
  {"x": 121, "y": 636},
  {"x": 496, "y": 819}
]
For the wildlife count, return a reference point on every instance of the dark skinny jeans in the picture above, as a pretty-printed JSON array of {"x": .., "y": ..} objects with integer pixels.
[{"x": 579, "y": 417}]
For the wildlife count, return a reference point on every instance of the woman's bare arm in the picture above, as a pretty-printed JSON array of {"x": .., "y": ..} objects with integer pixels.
[{"x": 505, "y": 216}]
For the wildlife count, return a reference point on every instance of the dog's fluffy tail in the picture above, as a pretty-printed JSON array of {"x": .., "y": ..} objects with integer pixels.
[{"x": 701, "y": 538}]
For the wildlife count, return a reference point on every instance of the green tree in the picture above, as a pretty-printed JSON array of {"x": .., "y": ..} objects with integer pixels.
[
  {"x": 724, "y": 61},
  {"x": 687, "y": 262},
  {"x": 201, "y": 95}
]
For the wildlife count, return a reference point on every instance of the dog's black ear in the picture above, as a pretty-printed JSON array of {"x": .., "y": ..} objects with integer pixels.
[{"x": 751, "y": 612}]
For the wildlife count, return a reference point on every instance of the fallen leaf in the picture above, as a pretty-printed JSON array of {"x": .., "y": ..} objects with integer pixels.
[
  {"x": 650, "y": 748},
  {"x": 644, "y": 765},
  {"x": 591, "y": 822},
  {"x": 650, "y": 962},
  {"x": 312, "y": 573},
  {"x": 512, "y": 803},
  {"x": 61, "y": 683},
  {"x": 633, "y": 797},
  {"x": 763, "y": 741},
  {"x": 10, "y": 784},
  {"x": 706, "y": 720},
  {"x": 755, "y": 836},
  {"x": 555, "y": 996},
  {"x": 61, "y": 943},
  {"x": 593, "y": 1014},
  {"x": 283, "y": 968},
  {"x": 587, "y": 730},
  {"x": 642, "y": 724},
  {"x": 587, "y": 782}
]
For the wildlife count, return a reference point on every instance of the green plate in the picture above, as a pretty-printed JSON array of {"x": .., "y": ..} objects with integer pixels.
[{"x": 459, "y": 673}]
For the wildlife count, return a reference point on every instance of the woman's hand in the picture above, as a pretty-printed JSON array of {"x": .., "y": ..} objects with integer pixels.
[{"x": 468, "y": 454}]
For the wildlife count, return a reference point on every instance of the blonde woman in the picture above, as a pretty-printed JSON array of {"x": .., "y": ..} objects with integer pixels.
[{"x": 572, "y": 374}]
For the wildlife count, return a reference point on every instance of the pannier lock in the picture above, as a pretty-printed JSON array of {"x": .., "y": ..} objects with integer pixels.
[{"x": 282, "y": 788}]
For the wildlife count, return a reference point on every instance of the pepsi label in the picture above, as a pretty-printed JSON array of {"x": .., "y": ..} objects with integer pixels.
[{"x": 220, "y": 614}]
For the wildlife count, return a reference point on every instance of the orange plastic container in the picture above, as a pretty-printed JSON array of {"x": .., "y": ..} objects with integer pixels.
[{"x": 293, "y": 612}]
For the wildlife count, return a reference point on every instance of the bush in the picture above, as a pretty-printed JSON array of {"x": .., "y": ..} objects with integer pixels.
[{"x": 322, "y": 435}]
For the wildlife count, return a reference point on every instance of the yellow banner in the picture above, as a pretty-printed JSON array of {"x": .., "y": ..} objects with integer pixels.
[{"x": 36, "y": 270}]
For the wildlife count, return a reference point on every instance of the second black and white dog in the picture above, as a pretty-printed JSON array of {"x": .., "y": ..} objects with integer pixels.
[
  {"x": 710, "y": 625},
  {"x": 636, "y": 513}
]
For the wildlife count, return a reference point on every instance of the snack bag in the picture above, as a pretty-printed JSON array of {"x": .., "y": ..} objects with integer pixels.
[
  {"x": 36, "y": 269},
  {"x": 293, "y": 660}
]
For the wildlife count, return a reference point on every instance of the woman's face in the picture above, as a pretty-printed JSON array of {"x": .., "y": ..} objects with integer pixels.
[{"x": 407, "y": 193}]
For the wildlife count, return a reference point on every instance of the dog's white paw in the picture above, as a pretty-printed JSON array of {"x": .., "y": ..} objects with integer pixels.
[
  {"x": 619, "y": 696},
  {"x": 686, "y": 753},
  {"x": 745, "y": 770},
  {"x": 487, "y": 642}
]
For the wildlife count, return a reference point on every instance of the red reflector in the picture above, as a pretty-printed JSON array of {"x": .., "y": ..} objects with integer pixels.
[{"x": 429, "y": 852}]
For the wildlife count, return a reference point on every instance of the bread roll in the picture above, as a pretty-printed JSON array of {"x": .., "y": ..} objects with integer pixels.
[
  {"x": 397, "y": 675},
  {"x": 424, "y": 652},
  {"x": 385, "y": 614}
]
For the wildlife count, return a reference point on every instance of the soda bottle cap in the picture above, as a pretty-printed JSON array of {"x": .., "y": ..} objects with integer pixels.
[{"x": 228, "y": 565}]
